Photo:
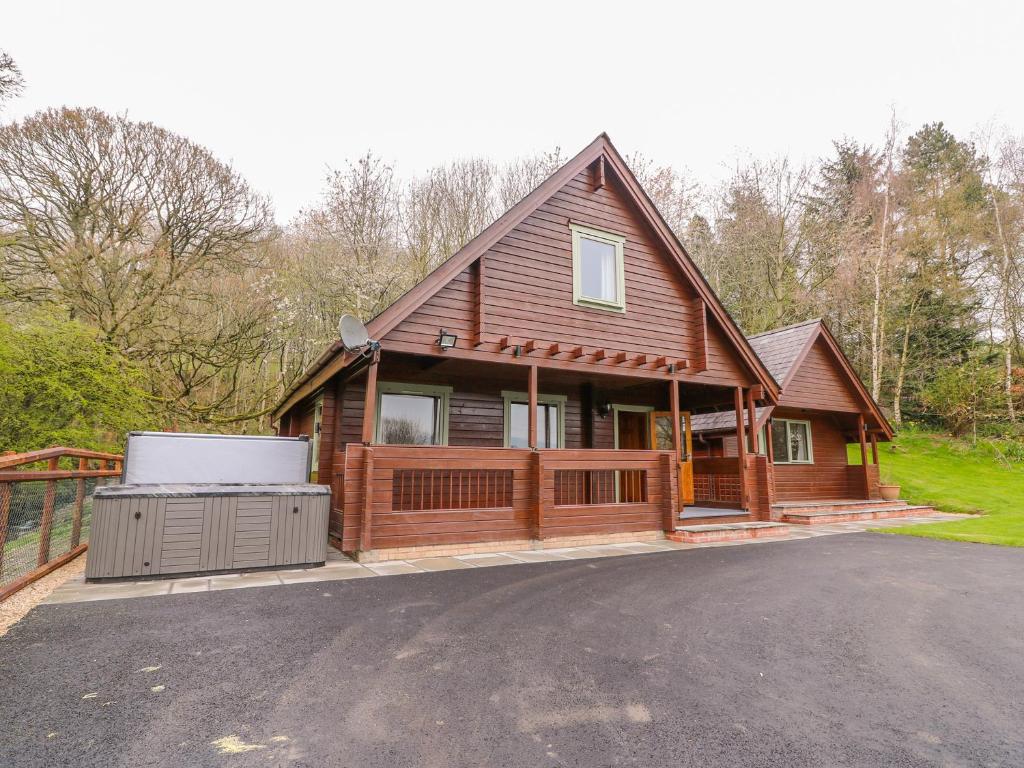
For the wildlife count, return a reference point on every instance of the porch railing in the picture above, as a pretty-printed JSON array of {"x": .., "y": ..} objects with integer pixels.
[
  {"x": 45, "y": 508},
  {"x": 404, "y": 496},
  {"x": 716, "y": 482}
]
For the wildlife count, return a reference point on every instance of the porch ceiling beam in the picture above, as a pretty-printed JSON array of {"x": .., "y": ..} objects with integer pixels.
[{"x": 600, "y": 362}]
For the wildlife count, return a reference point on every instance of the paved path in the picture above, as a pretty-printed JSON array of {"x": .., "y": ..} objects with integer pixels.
[
  {"x": 855, "y": 650},
  {"x": 339, "y": 567}
]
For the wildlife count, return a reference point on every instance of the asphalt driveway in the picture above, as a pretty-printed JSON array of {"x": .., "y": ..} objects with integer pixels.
[{"x": 853, "y": 650}]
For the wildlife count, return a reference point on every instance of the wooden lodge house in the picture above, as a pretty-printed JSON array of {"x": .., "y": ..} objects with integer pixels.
[{"x": 540, "y": 388}]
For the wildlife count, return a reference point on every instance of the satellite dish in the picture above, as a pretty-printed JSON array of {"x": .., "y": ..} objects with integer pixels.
[{"x": 353, "y": 333}]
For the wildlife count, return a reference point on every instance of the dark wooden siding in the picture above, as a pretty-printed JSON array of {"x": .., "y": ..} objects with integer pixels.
[
  {"x": 820, "y": 384},
  {"x": 829, "y": 476},
  {"x": 529, "y": 294}
]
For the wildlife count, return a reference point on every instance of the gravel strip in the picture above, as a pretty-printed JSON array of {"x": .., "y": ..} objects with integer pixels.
[{"x": 20, "y": 603}]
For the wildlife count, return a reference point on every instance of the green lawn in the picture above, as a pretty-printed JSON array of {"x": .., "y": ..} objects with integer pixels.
[{"x": 955, "y": 476}]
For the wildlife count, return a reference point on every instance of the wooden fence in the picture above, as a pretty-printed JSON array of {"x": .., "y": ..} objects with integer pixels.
[{"x": 45, "y": 502}]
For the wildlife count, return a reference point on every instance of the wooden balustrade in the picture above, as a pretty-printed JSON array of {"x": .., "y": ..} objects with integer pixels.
[
  {"x": 20, "y": 513},
  {"x": 402, "y": 496}
]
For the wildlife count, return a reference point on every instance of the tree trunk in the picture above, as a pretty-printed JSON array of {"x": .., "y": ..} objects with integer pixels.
[
  {"x": 901, "y": 371},
  {"x": 1005, "y": 273}
]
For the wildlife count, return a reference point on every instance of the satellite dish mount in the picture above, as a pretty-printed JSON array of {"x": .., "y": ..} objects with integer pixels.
[{"x": 354, "y": 336}]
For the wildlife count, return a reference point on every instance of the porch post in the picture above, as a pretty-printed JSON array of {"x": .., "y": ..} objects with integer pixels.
[
  {"x": 741, "y": 446},
  {"x": 874, "y": 449},
  {"x": 673, "y": 466},
  {"x": 752, "y": 421},
  {"x": 863, "y": 454},
  {"x": 677, "y": 438},
  {"x": 768, "y": 442},
  {"x": 532, "y": 406},
  {"x": 370, "y": 402}
]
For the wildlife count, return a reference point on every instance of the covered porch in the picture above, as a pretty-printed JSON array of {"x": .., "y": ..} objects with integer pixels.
[{"x": 427, "y": 452}]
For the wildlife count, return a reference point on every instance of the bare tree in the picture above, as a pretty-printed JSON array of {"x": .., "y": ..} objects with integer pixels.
[
  {"x": 674, "y": 195},
  {"x": 135, "y": 230},
  {"x": 520, "y": 177},
  {"x": 12, "y": 82}
]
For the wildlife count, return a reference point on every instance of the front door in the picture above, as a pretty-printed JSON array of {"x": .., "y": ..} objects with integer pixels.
[
  {"x": 661, "y": 440},
  {"x": 632, "y": 430}
]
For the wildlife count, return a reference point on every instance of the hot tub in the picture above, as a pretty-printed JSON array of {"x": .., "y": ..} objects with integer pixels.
[
  {"x": 206, "y": 504},
  {"x": 150, "y": 530}
]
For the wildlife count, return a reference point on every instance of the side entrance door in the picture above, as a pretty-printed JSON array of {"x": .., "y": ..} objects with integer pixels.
[{"x": 661, "y": 440}]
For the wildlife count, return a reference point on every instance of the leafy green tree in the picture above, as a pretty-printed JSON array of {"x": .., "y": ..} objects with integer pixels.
[
  {"x": 964, "y": 396},
  {"x": 61, "y": 384}
]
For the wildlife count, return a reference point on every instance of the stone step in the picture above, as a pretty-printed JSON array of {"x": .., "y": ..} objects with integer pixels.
[
  {"x": 821, "y": 517},
  {"x": 784, "y": 507},
  {"x": 712, "y": 532}
]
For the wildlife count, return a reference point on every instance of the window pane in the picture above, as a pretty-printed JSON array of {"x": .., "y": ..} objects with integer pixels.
[
  {"x": 799, "y": 448},
  {"x": 780, "y": 446},
  {"x": 598, "y": 270},
  {"x": 548, "y": 416},
  {"x": 408, "y": 419},
  {"x": 519, "y": 427}
]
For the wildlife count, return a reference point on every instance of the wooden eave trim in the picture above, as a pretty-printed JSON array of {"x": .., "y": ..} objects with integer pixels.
[
  {"x": 851, "y": 374},
  {"x": 671, "y": 242},
  {"x": 768, "y": 410}
]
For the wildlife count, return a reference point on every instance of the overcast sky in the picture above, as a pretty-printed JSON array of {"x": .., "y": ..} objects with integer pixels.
[{"x": 285, "y": 89}]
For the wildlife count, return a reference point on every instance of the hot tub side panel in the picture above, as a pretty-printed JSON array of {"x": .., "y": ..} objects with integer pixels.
[{"x": 143, "y": 536}]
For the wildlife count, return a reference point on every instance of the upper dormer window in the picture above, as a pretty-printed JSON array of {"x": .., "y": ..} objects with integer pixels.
[{"x": 598, "y": 276}]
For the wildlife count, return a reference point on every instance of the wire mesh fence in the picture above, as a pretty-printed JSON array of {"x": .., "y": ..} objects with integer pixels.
[{"x": 43, "y": 519}]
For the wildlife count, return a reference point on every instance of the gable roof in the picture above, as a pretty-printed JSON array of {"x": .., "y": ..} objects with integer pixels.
[
  {"x": 783, "y": 350},
  {"x": 779, "y": 349},
  {"x": 336, "y": 359}
]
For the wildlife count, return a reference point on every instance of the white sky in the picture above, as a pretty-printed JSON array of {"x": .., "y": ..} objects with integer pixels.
[{"x": 285, "y": 89}]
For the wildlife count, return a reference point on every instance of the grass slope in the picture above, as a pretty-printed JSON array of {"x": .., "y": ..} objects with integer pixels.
[{"x": 955, "y": 476}]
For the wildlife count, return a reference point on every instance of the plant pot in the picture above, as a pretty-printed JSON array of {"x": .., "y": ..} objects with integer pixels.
[{"x": 889, "y": 492}]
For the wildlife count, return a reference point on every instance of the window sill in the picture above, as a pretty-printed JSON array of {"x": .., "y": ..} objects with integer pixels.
[{"x": 598, "y": 304}]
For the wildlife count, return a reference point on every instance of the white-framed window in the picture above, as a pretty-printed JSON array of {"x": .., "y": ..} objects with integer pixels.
[
  {"x": 550, "y": 420},
  {"x": 412, "y": 414},
  {"x": 791, "y": 441},
  {"x": 598, "y": 271}
]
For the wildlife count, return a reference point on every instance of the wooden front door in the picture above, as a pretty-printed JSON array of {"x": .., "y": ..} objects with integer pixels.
[
  {"x": 632, "y": 428},
  {"x": 661, "y": 440}
]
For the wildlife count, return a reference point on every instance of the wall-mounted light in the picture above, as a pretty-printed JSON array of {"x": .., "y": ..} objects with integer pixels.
[
  {"x": 446, "y": 339},
  {"x": 603, "y": 409}
]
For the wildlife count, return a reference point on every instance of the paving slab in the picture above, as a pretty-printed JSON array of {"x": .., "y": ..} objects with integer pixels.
[
  {"x": 439, "y": 563},
  {"x": 486, "y": 561},
  {"x": 393, "y": 568},
  {"x": 540, "y": 556}
]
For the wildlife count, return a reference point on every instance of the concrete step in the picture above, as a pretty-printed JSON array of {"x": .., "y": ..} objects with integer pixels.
[
  {"x": 784, "y": 507},
  {"x": 821, "y": 517},
  {"x": 708, "y": 533}
]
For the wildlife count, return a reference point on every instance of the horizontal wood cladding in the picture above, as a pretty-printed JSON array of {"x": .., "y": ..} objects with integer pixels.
[
  {"x": 830, "y": 476},
  {"x": 527, "y": 285},
  {"x": 820, "y": 384},
  {"x": 370, "y": 520}
]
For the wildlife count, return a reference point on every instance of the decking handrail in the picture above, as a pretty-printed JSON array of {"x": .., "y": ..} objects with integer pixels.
[
  {"x": 45, "y": 560},
  {"x": 57, "y": 451}
]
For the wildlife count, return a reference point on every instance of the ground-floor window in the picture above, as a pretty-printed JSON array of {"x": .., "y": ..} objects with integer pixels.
[
  {"x": 550, "y": 420},
  {"x": 791, "y": 441},
  {"x": 412, "y": 414}
]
